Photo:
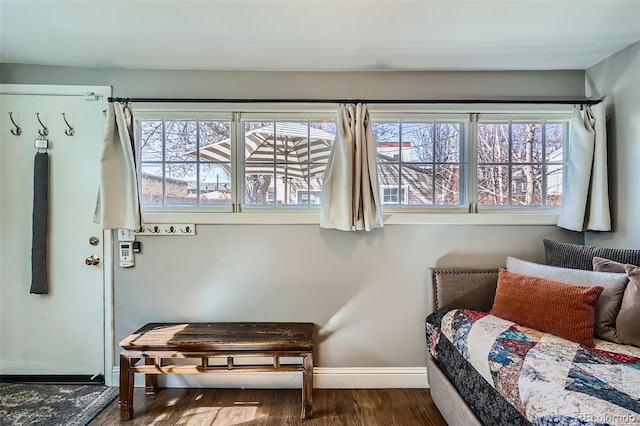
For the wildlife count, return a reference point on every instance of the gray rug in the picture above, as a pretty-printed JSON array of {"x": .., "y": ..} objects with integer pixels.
[{"x": 52, "y": 405}]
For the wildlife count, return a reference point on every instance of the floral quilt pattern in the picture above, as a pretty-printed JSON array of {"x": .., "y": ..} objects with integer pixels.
[{"x": 547, "y": 379}]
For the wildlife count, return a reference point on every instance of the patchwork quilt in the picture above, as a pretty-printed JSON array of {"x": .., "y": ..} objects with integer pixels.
[{"x": 545, "y": 379}]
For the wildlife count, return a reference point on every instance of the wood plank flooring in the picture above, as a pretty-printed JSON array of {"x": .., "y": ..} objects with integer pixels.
[{"x": 227, "y": 407}]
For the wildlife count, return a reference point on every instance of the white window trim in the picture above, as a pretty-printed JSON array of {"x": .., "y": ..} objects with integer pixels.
[{"x": 390, "y": 218}]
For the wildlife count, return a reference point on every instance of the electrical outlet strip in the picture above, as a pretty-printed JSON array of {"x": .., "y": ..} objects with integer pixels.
[{"x": 182, "y": 229}]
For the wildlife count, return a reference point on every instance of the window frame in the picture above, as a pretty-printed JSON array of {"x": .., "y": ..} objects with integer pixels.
[
  {"x": 182, "y": 115},
  {"x": 468, "y": 214},
  {"x": 429, "y": 116},
  {"x": 241, "y": 118},
  {"x": 520, "y": 116}
]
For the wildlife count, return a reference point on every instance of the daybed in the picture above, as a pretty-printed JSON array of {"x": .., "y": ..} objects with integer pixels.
[{"x": 483, "y": 369}]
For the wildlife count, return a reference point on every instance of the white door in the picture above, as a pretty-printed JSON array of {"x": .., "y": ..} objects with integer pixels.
[{"x": 63, "y": 332}]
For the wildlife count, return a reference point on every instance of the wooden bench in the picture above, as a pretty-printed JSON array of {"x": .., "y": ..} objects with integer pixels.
[{"x": 158, "y": 343}]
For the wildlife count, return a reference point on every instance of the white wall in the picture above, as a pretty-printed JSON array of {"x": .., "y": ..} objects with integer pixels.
[
  {"x": 234, "y": 84},
  {"x": 617, "y": 80},
  {"x": 367, "y": 293}
]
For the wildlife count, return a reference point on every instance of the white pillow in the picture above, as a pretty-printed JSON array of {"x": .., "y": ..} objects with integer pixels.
[{"x": 609, "y": 301}]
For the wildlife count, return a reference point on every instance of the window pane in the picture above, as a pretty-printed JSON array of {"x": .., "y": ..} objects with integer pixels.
[
  {"x": 526, "y": 186},
  {"x": 151, "y": 184},
  {"x": 493, "y": 185},
  {"x": 215, "y": 140},
  {"x": 258, "y": 141},
  {"x": 291, "y": 141},
  {"x": 150, "y": 140},
  {"x": 259, "y": 188},
  {"x": 417, "y": 181},
  {"x": 180, "y": 184},
  {"x": 215, "y": 184},
  {"x": 555, "y": 136},
  {"x": 323, "y": 134},
  {"x": 447, "y": 142},
  {"x": 287, "y": 191},
  {"x": 388, "y": 140},
  {"x": 554, "y": 185},
  {"x": 386, "y": 131},
  {"x": 493, "y": 142},
  {"x": 181, "y": 140},
  {"x": 447, "y": 185},
  {"x": 417, "y": 142},
  {"x": 527, "y": 142}
]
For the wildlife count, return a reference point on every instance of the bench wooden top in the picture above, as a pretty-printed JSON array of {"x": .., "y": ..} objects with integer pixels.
[{"x": 222, "y": 336}]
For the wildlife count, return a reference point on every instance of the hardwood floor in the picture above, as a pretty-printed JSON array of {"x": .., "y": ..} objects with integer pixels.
[{"x": 348, "y": 407}]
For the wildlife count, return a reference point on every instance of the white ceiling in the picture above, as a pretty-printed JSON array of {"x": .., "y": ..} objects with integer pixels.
[{"x": 318, "y": 35}]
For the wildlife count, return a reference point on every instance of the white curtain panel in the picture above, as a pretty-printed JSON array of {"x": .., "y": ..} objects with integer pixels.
[
  {"x": 350, "y": 191},
  {"x": 119, "y": 201},
  {"x": 586, "y": 196}
]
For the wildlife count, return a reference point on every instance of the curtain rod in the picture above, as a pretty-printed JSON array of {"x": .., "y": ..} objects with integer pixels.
[{"x": 368, "y": 101}]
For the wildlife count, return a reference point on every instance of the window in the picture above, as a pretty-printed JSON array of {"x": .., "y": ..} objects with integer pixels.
[
  {"x": 283, "y": 161},
  {"x": 177, "y": 169},
  {"x": 422, "y": 160},
  {"x": 520, "y": 163},
  {"x": 275, "y": 161}
]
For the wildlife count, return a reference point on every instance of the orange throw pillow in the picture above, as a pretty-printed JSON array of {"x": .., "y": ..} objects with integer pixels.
[{"x": 564, "y": 310}]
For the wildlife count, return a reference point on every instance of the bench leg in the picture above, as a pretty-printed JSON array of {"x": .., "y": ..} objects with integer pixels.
[
  {"x": 150, "y": 380},
  {"x": 126, "y": 388},
  {"x": 307, "y": 386}
]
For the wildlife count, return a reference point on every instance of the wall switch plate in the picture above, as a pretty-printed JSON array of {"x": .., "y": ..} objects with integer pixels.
[
  {"x": 180, "y": 229},
  {"x": 126, "y": 235}
]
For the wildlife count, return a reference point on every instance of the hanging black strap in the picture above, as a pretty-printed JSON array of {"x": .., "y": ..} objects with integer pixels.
[{"x": 39, "y": 283}]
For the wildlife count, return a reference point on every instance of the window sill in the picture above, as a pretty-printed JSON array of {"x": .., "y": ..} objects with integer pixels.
[{"x": 391, "y": 218}]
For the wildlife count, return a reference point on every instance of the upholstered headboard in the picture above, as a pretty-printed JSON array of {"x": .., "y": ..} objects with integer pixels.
[{"x": 463, "y": 288}]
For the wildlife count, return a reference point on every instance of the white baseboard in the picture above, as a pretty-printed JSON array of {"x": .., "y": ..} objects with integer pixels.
[{"x": 323, "y": 378}]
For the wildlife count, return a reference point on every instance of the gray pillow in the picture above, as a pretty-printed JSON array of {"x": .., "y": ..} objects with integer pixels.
[
  {"x": 628, "y": 321},
  {"x": 608, "y": 305},
  {"x": 576, "y": 256}
]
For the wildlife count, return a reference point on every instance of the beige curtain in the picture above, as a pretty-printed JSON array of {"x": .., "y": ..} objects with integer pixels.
[
  {"x": 119, "y": 202},
  {"x": 350, "y": 191},
  {"x": 586, "y": 196}
]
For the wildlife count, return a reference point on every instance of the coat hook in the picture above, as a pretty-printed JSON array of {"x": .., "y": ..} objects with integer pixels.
[
  {"x": 69, "y": 131},
  {"x": 18, "y": 129},
  {"x": 44, "y": 131}
]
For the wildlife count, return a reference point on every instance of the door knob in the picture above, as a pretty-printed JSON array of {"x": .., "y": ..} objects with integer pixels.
[{"x": 92, "y": 260}]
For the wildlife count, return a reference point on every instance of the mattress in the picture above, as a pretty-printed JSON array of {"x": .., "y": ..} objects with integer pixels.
[{"x": 513, "y": 375}]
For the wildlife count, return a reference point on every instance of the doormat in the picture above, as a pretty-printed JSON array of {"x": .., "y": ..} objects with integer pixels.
[{"x": 52, "y": 405}]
